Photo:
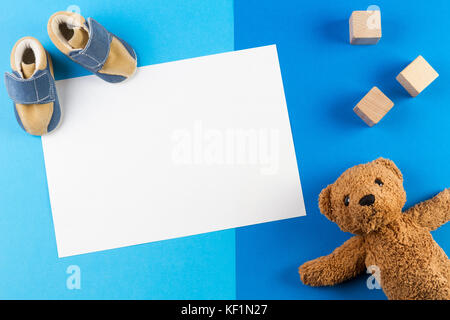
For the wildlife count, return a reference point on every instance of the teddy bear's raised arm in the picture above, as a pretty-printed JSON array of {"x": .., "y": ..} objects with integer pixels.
[
  {"x": 432, "y": 213},
  {"x": 346, "y": 262}
]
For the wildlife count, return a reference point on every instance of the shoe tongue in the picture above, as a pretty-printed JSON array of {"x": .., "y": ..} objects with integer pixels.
[
  {"x": 28, "y": 69},
  {"x": 79, "y": 39}
]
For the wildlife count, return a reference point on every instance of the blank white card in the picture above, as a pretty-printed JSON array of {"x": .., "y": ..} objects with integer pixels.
[{"x": 182, "y": 148}]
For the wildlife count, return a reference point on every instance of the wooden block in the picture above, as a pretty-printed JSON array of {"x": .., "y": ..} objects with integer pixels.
[
  {"x": 417, "y": 76},
  {"x": 365, "y": 27},
  {"x": 373, "y": 107}
]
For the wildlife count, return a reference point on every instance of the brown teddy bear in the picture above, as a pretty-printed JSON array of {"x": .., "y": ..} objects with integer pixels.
[{"x": 367, "y": 201}]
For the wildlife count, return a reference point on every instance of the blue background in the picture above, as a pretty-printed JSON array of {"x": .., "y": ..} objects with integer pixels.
[
  {"x": 196, "y": 267},
  {"x": 324, "y": 77}
]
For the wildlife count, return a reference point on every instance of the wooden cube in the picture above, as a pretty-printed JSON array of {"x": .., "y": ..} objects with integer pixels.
[
  {"x": 417, "y": 76},
  {"x": 373, "y": 107},
  {"x": 365, "y": 27}
]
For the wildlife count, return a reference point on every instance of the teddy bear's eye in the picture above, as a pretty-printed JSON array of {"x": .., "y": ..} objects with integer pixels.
[
  {"x": 347, "y": 200},
  {"x": 379, "y": 182}
]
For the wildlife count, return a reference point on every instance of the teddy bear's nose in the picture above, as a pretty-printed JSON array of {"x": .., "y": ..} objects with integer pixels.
[{"x": 367, "y": 200}]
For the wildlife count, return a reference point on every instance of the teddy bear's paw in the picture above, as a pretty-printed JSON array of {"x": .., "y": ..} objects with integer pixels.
[
  {"x": 446, "y": 193},
  {"x": 311, "y": 273}
]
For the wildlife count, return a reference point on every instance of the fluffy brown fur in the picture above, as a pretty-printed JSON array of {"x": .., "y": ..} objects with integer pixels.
[{"x": 411, "y": 263}]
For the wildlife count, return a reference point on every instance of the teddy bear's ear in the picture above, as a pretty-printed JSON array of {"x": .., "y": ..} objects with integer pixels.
[
  {"x": 325, "y": 202},
  {"x": 391, "y": 166}
]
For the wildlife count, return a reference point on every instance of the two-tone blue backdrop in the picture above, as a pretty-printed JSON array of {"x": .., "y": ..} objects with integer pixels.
[{"x": 324, "y": 77}]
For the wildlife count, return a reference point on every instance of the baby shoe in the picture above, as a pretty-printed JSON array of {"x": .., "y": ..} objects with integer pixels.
[
  {"x": 31, "y": 86},
  {"x": 92, "y": 46}
]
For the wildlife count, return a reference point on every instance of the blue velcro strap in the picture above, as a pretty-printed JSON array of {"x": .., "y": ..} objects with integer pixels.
[
  {"x": 38, "y": 89},
  {"x": 94, "y": 55}
]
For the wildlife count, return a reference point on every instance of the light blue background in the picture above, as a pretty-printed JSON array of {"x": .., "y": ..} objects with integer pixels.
[
  {"x": 324, "y": 77},
  {"x": 196, "y": 267}
]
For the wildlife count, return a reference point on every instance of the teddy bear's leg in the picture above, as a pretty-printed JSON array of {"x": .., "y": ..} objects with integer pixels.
[
  {"x": 446, "y": 291},
  {"x": 447, "y": 275},
  {"x": 432, "y": 213},
  {"x": 344, "y": 263},
  {"x": 438, "y": 288}
]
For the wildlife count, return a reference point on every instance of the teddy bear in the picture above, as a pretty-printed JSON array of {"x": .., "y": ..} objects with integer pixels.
[{"x": 367, "y": 201}]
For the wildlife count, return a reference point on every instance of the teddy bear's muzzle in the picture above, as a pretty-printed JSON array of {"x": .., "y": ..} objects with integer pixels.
[{"x": 367, "y": 200}]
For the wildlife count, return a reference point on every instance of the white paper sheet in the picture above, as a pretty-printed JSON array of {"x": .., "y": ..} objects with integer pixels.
[{"x": 182, "y": 148}]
